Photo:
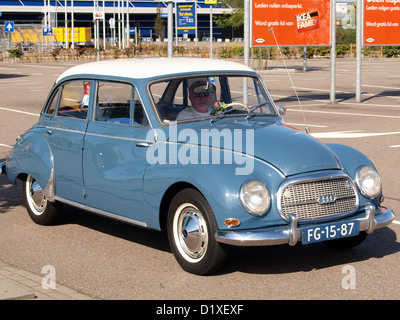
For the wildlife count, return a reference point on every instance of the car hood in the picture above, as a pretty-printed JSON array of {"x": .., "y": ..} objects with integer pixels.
[{"x": 288, "y": 149}]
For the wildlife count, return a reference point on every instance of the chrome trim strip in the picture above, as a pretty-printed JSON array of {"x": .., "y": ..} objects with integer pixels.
[
  {"x": 49, "y": 189},
  {"x": 294, "y": 233},
  {"x": 291, "y": 234},
  {"x": 315, "y": 177},
  {"x": 370, "y": 221},
  {"x": 117, "y": 138},
  {"x": 101, "y": 212},
  {"x": 65, "y": 130}
]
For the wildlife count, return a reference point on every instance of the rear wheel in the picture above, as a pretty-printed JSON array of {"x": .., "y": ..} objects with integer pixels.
[
  {"x": 191, "y": 227},
  {"x": 39, "y": 208}
]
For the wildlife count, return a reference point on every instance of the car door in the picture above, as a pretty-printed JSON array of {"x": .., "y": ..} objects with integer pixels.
[
  {"x": 66, "y": 122},
  {"x": 114, "y": 157}
]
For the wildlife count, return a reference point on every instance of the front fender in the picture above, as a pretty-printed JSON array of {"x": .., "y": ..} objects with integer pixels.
[
  {"x": 219, "y": 183},
  {"x": 349, "y": 158},
  {"x": 31, "y": 155}
]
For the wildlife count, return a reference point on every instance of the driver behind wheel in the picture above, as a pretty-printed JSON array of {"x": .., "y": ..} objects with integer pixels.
[{"x": 200, "y": 95}]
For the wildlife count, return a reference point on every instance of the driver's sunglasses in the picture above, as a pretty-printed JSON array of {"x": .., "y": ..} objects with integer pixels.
[{"x": 204, "y": 94}]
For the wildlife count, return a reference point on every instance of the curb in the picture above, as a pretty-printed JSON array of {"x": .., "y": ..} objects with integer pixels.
[{"x": 18, "y": 284}]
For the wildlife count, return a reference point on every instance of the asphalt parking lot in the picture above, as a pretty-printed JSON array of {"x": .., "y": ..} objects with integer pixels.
[{"x": 108, "y": 260}]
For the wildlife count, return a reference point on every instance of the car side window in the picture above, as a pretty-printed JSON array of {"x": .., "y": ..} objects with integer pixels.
[
  {"x": 74, "y": 99},
  {"x": 139, "y": 115},
  {"x": 115, "y": 102},
  {"x": 52, "y": 105}
]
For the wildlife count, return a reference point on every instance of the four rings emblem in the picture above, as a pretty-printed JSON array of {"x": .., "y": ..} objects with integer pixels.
[{"x": 329, "y": 198}]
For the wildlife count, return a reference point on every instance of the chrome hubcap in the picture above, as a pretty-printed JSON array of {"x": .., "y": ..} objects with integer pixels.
[
  {"x": 190, "y": 232},
  {"x": 36, "y": 198}
]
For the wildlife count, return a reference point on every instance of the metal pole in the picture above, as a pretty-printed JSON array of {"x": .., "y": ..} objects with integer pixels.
[
  {"x": 247, "y": 32},
  {"x": 104, "y": 25},
  {"x": 123, "y": 24},
  {"x": 56, "y": 13},
  {"x": 170, "y": 30},
  {"x": 333, "y": 50},
  {"x": 95, "y": 24},
  {"x": 211, "y": 33},
  {"x": 66, "y": 26},
  {"x": 44, "y": 24},
  {"x": 119, "y": 25},
  {"x": 127, "y": 23},
  {"x": 113, "y": 30},
  {"x": 176, "y": 23},
  {"x": 72, "y": 24},
  {"x": 196, "y": 35},
  {"x": 360, "y": 4},
  {"x": 98, "y": 38},
  {"x": 45, "y": 13},
  {"x": 246, "y": 47}
]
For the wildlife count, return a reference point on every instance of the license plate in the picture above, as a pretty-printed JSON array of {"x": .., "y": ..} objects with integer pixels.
[{"x": 330, "y": 231}]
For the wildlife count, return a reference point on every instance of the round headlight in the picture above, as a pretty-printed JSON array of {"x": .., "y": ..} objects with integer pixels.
[
  {"x": 255, "y": 197},
  {"x": 369, "y": 182}
]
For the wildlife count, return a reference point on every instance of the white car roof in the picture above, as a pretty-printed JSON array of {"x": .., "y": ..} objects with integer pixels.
[{"x": 140, "y": 68}]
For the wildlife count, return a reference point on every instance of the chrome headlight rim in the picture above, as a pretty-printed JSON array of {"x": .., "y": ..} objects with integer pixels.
[
  {"x": 266, "y": 203},
  {"x": 359, "y": 182}
]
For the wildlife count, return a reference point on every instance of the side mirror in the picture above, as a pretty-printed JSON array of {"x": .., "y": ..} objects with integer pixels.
[{"x": 282, "y": 110}]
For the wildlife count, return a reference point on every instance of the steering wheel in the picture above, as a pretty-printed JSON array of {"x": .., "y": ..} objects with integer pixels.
[{"x": 239, "y": 104}]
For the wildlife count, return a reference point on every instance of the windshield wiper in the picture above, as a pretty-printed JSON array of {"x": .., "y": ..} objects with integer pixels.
[
  {"x": 223, "y": 113},
  {"x": 251, "y": 113}
]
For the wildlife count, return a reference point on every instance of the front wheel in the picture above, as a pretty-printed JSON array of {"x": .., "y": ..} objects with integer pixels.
[
  {"x": 39, "y": 208},
  {"x": 191, "y": 228}
]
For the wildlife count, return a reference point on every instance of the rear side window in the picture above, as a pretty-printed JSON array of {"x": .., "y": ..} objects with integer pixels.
[
  {"x": 119, "y": 103},
  {"x": 113, "y": 102}
]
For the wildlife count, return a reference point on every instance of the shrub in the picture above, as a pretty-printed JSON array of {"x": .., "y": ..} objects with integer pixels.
[{"x": 15, "y": 53}]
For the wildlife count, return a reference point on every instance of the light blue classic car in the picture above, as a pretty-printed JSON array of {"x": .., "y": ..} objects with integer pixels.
[{"x": 195, "y": 147}]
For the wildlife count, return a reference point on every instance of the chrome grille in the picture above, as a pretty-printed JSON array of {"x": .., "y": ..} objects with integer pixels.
[{"x": 319, "y": 198}]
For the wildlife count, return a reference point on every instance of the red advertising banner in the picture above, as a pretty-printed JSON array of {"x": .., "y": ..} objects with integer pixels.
[
  {"x": 381, "y": 22},
  {"x": 294, "y": 22}
]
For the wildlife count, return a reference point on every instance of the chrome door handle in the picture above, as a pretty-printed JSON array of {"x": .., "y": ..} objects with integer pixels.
[{"x": 143, "y": 144}]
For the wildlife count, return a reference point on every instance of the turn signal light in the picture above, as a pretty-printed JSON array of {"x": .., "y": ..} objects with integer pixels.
[{"x": 232, "y": 222}]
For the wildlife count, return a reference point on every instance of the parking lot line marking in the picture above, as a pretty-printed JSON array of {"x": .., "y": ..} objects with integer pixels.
[
  {"x": 5, "y": 145},
  {"x": 346, "y": 92},
  {"x": 349, "y": 114},
  {"x": 351, "y": 134},
  {"x": 19, "y": 111},
  {"x": 396, "y": 222},
  {"x": 381, "y": 87},
  {"x": 301, "y": 98},
  {"x": 308, "y": 125},
  {"x": 53, "y": 67},
  {"x": 395, "y": 146}
]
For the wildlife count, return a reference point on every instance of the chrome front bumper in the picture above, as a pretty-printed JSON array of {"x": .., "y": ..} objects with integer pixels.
[
  {"x": 2, "y": 167},
  {"x": 292, "y": 234}
]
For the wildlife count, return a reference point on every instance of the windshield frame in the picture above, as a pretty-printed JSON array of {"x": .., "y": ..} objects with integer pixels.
[{"x": 251, "y": 76}]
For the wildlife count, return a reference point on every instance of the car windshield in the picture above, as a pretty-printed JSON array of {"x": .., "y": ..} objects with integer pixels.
[{"x": 210, "y": 97}]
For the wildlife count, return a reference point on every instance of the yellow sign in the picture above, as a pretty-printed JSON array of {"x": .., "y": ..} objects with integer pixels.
[{"x": 210, "y": 1}]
